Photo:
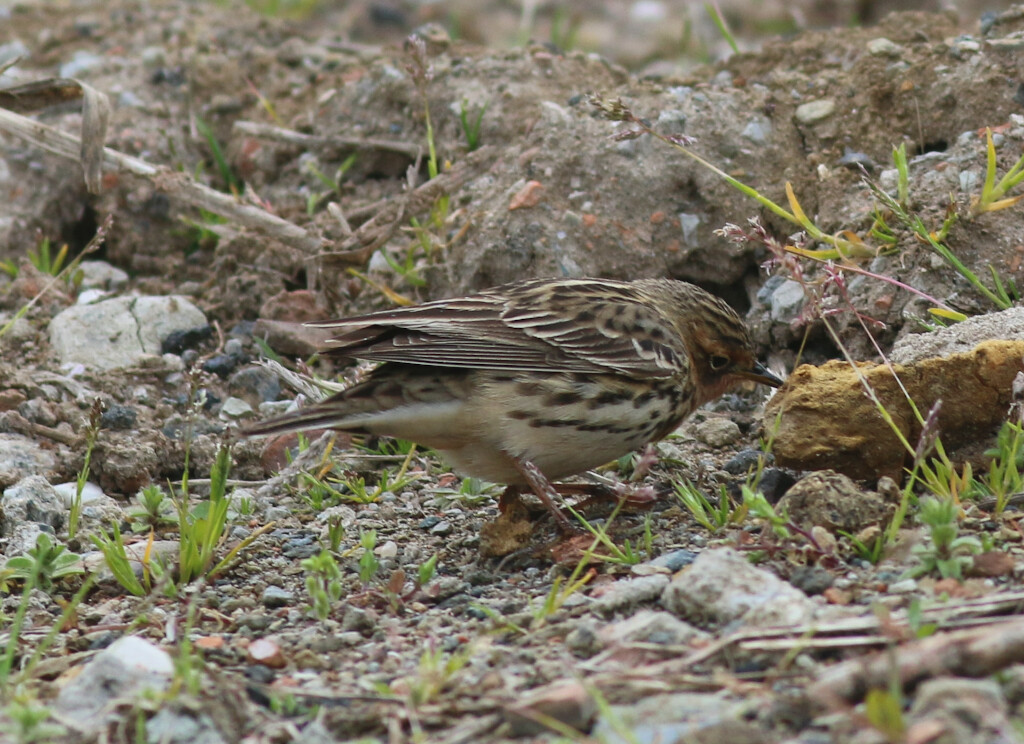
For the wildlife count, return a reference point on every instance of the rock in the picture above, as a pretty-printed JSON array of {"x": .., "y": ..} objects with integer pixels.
[
  {"x": 582, "y": 641},
  {"x": 827, "y": 422},
  {"x": 717, "y": 432},
  {"x": 671, "y": 561},
  {"x": 127, "y": 670},
  {"x": 267, "y": 653},
  {"x": 235, "y": 408},
  {"x": 833, "y": 501},
  {"x": 32, "y": 500},
  {"x": 91, "y": 493},
  {"x": 721, "y": 586},
  {"x": 629, "y": 593},
  {"x": 682, "y": 717},
  {"x": 120, "y": 332},
  {"x": 882, "y": 47},
  {"x": 960, "y": 337},
  {"x": 118, "y": 417},
  {"x": 960, "y": 710},
  {"x": 275, "y": 596},
  {"x": 101, "y": 275},
  {"x": 651, "y": 626},
  {"x": 815, "y": 111},
  {"x": 566, "y": 702},
  {"x": 255, "y": 385},
  {"x": 786, "y": 301},
  {"x": 811, "y": 580},
  {"x": 21, "y": 457},
  {"x": 170, "y": 726}
]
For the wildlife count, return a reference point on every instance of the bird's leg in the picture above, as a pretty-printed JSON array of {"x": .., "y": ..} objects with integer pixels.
[
  {"x": 542, "y": 487},
  {"x": 648, "y": 459}
]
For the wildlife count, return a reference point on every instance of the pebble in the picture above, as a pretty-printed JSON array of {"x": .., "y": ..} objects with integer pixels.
[
  {"x": 118, "y": 417},
  {"x": 221, "y": 365},
  {"x": 815, "y": 111},
  {"x": 275, "y": 596},
  {"x": 267, "y": 653},
  {"x": 444, "y": 527},
  {"x": 717, "y": 432},
  {"x": 128, "y": 669},
  {"x": 904, "y": 586},
  {"x": 120, "y": 332},
  {"x": 882, "y": 47},
  {"x": 722, "y": 586}
]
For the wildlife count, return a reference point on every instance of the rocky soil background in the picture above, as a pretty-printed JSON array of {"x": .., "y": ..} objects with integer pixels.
[{"x": 752, "y": 631}]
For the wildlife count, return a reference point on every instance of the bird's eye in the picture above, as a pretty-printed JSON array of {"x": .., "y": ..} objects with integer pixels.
[{"x": 719, "y": 362}]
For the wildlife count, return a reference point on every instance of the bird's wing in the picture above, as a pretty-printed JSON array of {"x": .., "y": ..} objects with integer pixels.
[{"x": 568, "y": 326}]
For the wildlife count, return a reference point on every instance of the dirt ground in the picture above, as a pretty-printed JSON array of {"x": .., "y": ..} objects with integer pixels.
[{"x": 322, "y": 122}]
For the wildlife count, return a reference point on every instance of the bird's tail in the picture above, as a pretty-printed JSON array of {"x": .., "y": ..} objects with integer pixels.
[{"x": 328, "y": 414}]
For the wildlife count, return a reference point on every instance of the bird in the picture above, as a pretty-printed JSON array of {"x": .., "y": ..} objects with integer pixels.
[{"x": 537, "y": 380}]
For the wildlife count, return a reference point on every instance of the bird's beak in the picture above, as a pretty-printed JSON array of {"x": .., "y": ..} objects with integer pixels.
[{"x": 760, "y": 373}]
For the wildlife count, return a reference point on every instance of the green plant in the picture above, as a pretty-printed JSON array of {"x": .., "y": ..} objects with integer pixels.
[
  {"x": 759, "y": 508},
  {"x": 323, "y": 582},
  {"x": 916, "y": 621},
  {"x": 117, "y": 560},
  {"x": 710, "y": 517},
  {"x": 471, "y": 130},
  {"x": 333, "y": 185},
  {"x": 202, "y": 528},
  {"x": 91, "y": 432},
  {"x": 425, "y": 572},
  {"x": 231, "y": 181},
  {"x": 27, "y": 723},
  {"x": 993, "y": 195},
  {"x": 884, "y": 712},
  {"x": 335, "y": 534},
  {"x": 945, "y": 553},
  {"x": 723, "y": 28},
  {"x": 433, "y": 673},
  {"x": 1005, "y": 476},
  {"x": 45, "y": 564},
  {"x": 471, "y": 492},
  {"x": 368, "y": 563},
  {"x": 153, "y": 511}
]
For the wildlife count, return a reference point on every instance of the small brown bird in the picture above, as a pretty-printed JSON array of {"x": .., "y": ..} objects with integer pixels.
[{"x": 534, "y": 381}]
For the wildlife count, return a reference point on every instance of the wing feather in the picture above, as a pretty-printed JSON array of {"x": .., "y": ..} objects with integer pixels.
[{"x": 547, "y": 325}]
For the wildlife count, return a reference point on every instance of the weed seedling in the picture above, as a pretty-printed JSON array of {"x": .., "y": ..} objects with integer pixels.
[
  {"x": 45, "y": 564},
  {"x": 83, "y": 476},
  {"x": 117, "y": 560},
  {"x": 946, "y": 553},
  {"x": 471, "y": 130},
  {"x": 153, "y": 511},
  {"x": 368, "y": 563},
  {"x": 26, "y": 723},
  {"x": 323, "y": 582},
  {"x": 1006, "y": 471}
]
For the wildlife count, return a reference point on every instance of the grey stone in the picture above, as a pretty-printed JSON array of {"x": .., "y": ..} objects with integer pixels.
[
  {"x": 681, "y": 717},
  {"x": 275, "y": 596},
  {"x": 815, "y": 111},
  {"x": 128, "y": 669},
  {"x": 630, "y": 592},
  {"x": 120, "y": 332},
  {"x": 31, "y": 500},
  {"x": 101, "y": 275},
  {"x": 722, "y": 586},
  {"x": 786, "y": 301},
  {"x": 171, "y": 726},
  {"x": 882, "y": 47},
  {"x": 961, "y": 337},
  {"x": 651, "y": 626},
  {"x": 717, "y": 432},
  {"x": 21, "y": 457}
]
